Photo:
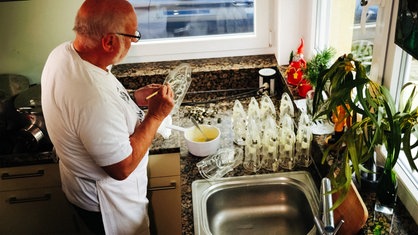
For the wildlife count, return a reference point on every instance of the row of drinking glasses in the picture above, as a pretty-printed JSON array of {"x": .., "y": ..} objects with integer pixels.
[{"x": 270, "y": 141}]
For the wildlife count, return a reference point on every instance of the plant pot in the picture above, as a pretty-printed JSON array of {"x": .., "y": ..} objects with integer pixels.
[
  {"x": 386, "y": 191},
  {"x": 386, "y": 194}
]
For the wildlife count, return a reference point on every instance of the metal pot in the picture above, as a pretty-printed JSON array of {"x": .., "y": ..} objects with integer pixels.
[
  {"x": 36, "y": 127},
  {"x": 30, "y": 137},
  {"x": 33, "y": 136}
]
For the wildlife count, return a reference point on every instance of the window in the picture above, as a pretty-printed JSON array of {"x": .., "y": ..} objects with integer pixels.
[
  {"x": 167, "y": 19},
  {"x": 188, "y": 29},
  {"x": 364, "y": 32},
  {"x": 408, "y": 189},
  {"x": 393, "y": 67},
  {"x": 370, "y": 35},
  {"x": 400, "y": 68},
  {"x": 348, "y": 27}
]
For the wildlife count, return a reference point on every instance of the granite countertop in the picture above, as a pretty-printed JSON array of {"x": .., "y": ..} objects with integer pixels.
[{"x": 212, "y": 79}]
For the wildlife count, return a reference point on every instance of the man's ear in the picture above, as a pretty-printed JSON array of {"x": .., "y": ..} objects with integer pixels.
[{"x": 109, "y": 42}]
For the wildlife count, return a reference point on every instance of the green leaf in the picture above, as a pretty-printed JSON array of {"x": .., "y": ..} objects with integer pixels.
[
  {"x": 407, "y": 149},
  {"x": 344, "y": 184},
  {"x": 388, "y": 99},
  {"x": 411, "y": 97}
]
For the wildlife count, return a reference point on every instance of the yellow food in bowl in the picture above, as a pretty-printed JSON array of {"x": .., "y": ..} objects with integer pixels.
[
  {"x": 197, "y": 143},
  {"x": 202, "y": 139},
  {"x": 210, "y": 132}
]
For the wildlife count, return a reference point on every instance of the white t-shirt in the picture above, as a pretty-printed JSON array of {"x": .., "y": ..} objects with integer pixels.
[{"x": 89, "y": 117}]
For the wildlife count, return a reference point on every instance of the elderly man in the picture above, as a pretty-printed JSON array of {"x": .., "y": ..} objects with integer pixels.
[{"x": 99, "y": 133}]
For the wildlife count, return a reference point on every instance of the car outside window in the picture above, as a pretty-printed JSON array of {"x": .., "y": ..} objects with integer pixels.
[{"x": 370, "y": 13}]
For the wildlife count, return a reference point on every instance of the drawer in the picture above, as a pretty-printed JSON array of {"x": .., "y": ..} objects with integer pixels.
[
  {"x": 165, "y": 204},
  {"x": 160, "y": 165},
  {"x": 37, "y": 211},
  {"x": 26, "y": 177},
  {"x": 164, "y": 183}
]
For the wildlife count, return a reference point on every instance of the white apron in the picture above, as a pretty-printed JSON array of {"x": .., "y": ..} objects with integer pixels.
[
  {"x": 123, "y": 204},
  {"x": 124, "y": 213}
]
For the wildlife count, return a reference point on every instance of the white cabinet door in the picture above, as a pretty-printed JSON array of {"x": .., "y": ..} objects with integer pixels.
[
  {"x": 32, "y": 202},
  {"x": 164, "y": 190},
  {"x": 166, "y": 204}
]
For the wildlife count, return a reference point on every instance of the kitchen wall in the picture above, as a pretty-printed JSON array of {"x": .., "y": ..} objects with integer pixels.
[
  {"x": 296, "y": 21},
  {"x": 30, "y": 30}
]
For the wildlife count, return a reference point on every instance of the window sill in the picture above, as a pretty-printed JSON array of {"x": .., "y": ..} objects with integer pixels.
[{"x": 407, "y": 190}]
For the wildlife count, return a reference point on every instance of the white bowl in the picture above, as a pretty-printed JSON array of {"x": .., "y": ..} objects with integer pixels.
[{"x": 196, "y": 143}]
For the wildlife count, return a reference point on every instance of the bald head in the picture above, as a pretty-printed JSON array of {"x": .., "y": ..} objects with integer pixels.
[
  {"x": 105, "y": 7},
  {"x": 96, "y": 18}
]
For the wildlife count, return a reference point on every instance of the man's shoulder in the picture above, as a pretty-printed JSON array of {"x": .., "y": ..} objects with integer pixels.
[{"x": 65, "y": 46}]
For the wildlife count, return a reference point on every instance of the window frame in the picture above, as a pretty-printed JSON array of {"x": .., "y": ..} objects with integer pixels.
[
  {"x": 259, "y": 42},
  {"x": 399, "y": 67},
  {"x": 396, "y": 69}
]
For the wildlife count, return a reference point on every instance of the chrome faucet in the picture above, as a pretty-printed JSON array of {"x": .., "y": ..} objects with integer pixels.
[{"x": 326, "y": 225}]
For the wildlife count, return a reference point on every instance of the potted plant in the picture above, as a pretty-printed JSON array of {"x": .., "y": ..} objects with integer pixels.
[
  {"x": 313, "y": 67},
  {"x": 317, "y": 64},
  {"x": 372, "y": 122}
]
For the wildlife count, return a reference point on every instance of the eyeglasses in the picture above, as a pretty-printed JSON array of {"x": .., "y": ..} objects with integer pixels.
[{"x": 135, "y": 38}]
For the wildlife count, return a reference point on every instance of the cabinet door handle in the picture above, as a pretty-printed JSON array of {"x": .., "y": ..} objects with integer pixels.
[
  {"x": 15, "y": 200},
  {"x": 172, "y": 185},
  {"x": 7, "y": 176}
]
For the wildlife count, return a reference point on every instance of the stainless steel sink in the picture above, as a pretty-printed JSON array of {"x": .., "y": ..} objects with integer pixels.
[{"x": 280, "y": 203}]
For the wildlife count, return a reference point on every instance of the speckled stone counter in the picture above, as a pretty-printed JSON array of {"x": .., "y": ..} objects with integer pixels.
[
  {"x": 213, "y": 81},
  {"x": 207, "y": 74}
]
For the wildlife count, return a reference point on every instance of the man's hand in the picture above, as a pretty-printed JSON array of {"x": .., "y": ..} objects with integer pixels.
[
  {"x": 141, "y": 94},
  {"x": 161, "y": 104}
]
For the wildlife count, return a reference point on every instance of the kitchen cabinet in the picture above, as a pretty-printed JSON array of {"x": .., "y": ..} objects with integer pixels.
[
  {"x": 31, "y": 202},
  {"x": 165, "y": 193}
]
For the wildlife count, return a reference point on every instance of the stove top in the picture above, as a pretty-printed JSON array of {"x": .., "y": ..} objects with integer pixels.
[{"x": 25, "y": 159}]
